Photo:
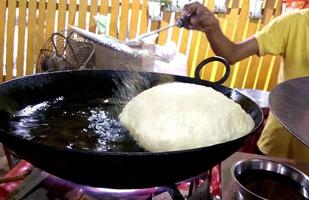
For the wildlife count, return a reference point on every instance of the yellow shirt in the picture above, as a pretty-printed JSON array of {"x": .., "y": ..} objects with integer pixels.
[{"x": 288, "y": 36}]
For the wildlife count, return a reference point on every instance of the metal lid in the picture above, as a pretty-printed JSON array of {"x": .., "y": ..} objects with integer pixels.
[{"x": 289, "y": 102}]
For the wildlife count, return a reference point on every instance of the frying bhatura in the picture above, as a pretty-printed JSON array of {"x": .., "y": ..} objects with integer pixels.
[{"x": 179, "y": 116}]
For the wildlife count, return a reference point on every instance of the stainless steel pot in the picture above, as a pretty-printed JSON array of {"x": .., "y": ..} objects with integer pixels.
[{"x": 258, "y": 179}]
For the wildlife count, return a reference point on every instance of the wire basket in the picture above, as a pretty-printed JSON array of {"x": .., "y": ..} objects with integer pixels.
[{"x": 66, "y": 50}]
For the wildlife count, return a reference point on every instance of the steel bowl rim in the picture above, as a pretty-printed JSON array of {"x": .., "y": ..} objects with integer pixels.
[{"x": 245, "y": 163}]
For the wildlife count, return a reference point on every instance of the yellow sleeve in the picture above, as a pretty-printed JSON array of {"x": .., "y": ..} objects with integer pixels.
[{"x": 272, "y": 38}]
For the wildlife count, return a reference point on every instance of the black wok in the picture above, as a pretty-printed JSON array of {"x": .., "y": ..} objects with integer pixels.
[{"x": 110, "y": 169}]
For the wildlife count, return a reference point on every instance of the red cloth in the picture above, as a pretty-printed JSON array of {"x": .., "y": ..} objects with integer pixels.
[
  {"x": 215, "y": 181},
  {"x": 21, "y": 168},
  {"x": 296, "y": 4}
]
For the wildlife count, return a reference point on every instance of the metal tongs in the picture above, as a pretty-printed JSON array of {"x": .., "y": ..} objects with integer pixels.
[{"x": 180, "y": 22}]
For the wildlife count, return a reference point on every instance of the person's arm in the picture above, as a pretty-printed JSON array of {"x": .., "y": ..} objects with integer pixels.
[{"x": 204, "y": 20}]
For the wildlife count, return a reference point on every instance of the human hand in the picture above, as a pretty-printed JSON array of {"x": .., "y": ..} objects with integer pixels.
[{"x": 200, "y": 17}]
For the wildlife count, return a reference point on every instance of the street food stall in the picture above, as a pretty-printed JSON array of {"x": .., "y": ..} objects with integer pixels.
[{"x": 49, "y": 94}]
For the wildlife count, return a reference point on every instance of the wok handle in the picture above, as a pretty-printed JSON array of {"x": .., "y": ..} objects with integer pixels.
[{"x": 211, "y": 59}]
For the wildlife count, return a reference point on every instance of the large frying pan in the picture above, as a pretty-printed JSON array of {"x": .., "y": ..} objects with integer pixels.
[{"x": 111, "y": 169}]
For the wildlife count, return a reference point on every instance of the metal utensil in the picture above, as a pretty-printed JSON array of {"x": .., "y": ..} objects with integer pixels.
[
  {"x": 271, "y": 174},
  {"x": 180, "y": 22},
  {"x": 288, "y": 102}
]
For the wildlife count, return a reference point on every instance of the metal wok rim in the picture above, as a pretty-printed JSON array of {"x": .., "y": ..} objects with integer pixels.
[{"x": 139, "y": 153}]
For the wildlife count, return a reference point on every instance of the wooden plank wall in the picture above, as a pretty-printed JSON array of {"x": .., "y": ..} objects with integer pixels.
[
  {"x": 26, "y": 24},
  {"x": 2, "y": 34}
]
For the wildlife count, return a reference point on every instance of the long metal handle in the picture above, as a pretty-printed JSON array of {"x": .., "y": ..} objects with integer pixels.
[
  {"x": 181, "y": 22},
  {"x": 141, "y": 37}
]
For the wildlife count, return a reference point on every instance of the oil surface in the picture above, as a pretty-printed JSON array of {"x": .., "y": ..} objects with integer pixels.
[
  {"x": 84, "y": 125},
  {"x": 271, "y": 185}
]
